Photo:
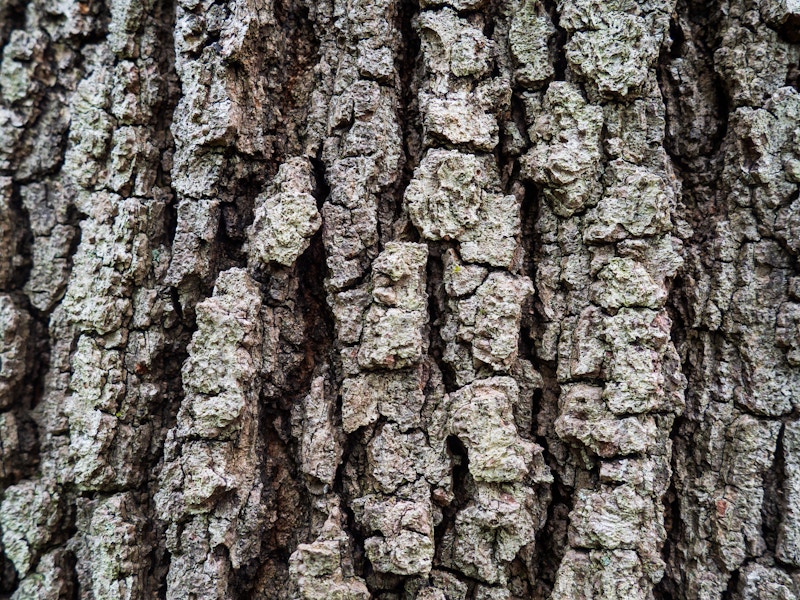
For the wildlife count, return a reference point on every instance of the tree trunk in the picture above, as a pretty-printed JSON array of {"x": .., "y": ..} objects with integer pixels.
[{"x": 355, "y": 299}]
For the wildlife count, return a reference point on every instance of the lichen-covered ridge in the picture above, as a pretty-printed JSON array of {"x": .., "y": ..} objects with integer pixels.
[{"x": 399, "y": 300}]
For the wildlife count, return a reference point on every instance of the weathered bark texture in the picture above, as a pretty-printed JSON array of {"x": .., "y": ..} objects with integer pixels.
[{"x": 378, "y": 299}]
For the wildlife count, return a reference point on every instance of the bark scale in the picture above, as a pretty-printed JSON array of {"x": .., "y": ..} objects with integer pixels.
[{"x": 447, "y": 300}]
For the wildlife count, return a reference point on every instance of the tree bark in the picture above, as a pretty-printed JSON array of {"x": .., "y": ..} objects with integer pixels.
[{"x": 435, "y": 300}]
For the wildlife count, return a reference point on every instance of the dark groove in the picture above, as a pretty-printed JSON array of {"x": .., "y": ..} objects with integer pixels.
[
  {"x": 168, "y": 365},
  {"x": 408, "y": 63},
  {"x": 731, "y": 589},
  {"x": 774, "y": 507},
  {"x": 437, "y": 310},
  {"x": 694, "y": 143},
  {"x": 551, "y": 541},
  {"x": 670, "y": 585},
  {"x": 558, "y": 41},
  {"x": 462, "y": 494}
]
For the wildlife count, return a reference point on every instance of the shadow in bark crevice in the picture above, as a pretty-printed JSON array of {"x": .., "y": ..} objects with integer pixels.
[
  {"x": 408, "y": 64},
  {"x": 558, "y": 42},
  {"x": 462, "y": 493},
  {"x": 697, "y": 108}
]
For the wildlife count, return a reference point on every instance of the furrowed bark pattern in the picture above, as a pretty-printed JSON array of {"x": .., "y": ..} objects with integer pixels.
[
  {"x": 99, "y": 71},
  {"x": 736, "y": 448},
  {"x": 456, "y": 194},
  {"x": 354, "y": 299},
  {"x": 606, "y": 257}
]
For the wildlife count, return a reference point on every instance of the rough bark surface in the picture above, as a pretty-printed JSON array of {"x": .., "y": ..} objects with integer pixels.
[{"x": 400, "y": 300}]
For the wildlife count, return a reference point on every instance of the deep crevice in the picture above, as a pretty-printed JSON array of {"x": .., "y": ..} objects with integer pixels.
[
  {"x": 462, "y": 494},
  {"x": 670, "y": 585},
  {"x": 12, "y": 16},
  {"x": 286, "y": 494},
  {"x": 551, "y": 543},
  {"x": 773, "y": 507},
  {"x": 437, "y": 311},
  {"x": 353, "y": 455},
  {"x": 732, "y": 587},
  {"x": 551, "y": 540},
  {"x": 697, "y": 113},
  {"x": 558, "y": 41}
]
